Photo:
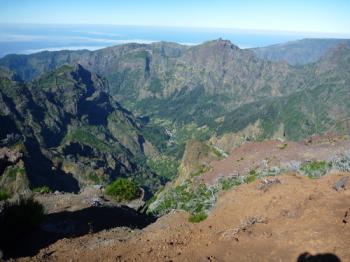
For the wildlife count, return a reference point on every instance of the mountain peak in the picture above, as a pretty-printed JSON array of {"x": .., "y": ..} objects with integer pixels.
[{"x": 221, "y": 43}]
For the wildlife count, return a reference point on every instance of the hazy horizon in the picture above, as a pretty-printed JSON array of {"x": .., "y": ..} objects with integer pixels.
[
  {"x": 28, "y": 26},
  {"x": 328, "y": 16},
  {"x": 31, "y": 38}
]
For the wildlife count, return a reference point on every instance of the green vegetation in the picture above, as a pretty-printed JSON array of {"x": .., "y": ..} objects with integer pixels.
[
  {"x": 165, "y": 167},
  {"x": 12, "y": 171},
  {"x": 252, "y": 176},
  {"x": 203, "y": 169},
  {"x": 197, "y": 217},
  {"x": 219, "y": 154},
  {"x": 155, "y": 85},
  {"x": 229, "y": 182},
  {"x": 18, "y": 219},
  {"x": 342, "y": 162},
  {"x": 185, "y": 133},
  {"x": 121, "y": 127},
  {"x": 282, "y": 146},
  {"x": 94, "y": 178},
  {"x": 22, "y": 216},
  {"x": 42, "y": 190},
  {"x": 196, "y": 199},
  {"x": 156, "y": 135},
  {"x": 123, "y": 189},
  {"x": 200, "y": 99},
  {"x": 4, "y": 195},
  {"x": 315, "y": 169},
  {"x": 139, "y": 55},
  {"x": 87, "y": 135},
  {"x": 193, "y": 199}
]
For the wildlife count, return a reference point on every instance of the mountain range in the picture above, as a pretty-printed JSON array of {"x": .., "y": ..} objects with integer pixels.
[
  {"x": 67, "y": 109},
  {"x": 69, "y": 132}
]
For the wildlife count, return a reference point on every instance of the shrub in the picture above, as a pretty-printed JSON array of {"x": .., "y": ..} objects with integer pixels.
[
  {"x": 94, "y": 178},
  {"x": 22, "y": 215},
  {"x": 282, "y": 146},
  {"x": 188, "y": 197},
  {"x": 251, "y": 177},
  {"x": 16, "y": 220},
  {"x": 202, "y": 169},
  {"x": 342, "y": 162},
  {"x": 198, "y": 200},
  {"x": 12, "y": 171},
  {"x": 123, "y": 189},
  {"x": 229, "y": 182},
  {"x": 4, "y": 195},
  {"x": 42, "y": 190},
  {"x": 198, "y": 217},
  {"x": 315, "y": 169}
]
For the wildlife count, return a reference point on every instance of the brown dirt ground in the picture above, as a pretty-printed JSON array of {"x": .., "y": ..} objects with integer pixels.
[
  {"x": 295, "y": 216},
  {"x": 249, "y": 155}
]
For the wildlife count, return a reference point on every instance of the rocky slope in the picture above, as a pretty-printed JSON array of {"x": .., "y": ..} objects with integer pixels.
[
  {"x": 299, "y": 52},
  {"x": 212, "y": 83},
  {"x": 62, "y": 127},
  {"x": 70, "y": 133},
  {"x": 276, "y": 218}
]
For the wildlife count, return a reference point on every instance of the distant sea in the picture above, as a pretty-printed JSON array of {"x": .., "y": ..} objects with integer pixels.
[{"x": 31, "y": 38}]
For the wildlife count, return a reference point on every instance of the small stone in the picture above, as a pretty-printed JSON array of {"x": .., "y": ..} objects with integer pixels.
[{"x": 341, "y": 183}]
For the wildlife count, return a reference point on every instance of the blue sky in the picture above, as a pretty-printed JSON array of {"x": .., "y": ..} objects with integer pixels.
[{"x": 331, "y": 16}]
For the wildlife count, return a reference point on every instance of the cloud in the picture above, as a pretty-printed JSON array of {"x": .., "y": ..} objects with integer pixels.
[
  {"x": 91, "y": 48},
  {"x": 62, "y": 39},
  {"x": 21, "y": 38}
]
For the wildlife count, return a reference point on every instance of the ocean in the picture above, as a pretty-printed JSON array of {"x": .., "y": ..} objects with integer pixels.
[{"x": 31, "y": 38}]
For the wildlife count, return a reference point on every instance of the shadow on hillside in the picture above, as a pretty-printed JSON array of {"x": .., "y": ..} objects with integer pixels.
[
  {"x": 72, "y": 224},
  {"x": 40, "y": 172},
  {"x": 327, "y": 257}
]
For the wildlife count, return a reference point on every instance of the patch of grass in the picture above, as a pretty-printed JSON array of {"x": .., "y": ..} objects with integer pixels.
[
  {"x": 155, "y": 85},
  {"x": 87, "y": 135},
  {"x": 193, "y": 199},
  {"x": 12, "y": 171},
  {"x": 164, "y": 167},
  {"x": 229, "y": 182},
  {"x": 94, "y": 178},
  {"x": 251, "y": 177},
  {"x": 195, "y": 218},
  {"x": 42, "y": 190},
  {"x": 4, "y": 195},
  {"x": 315, "y": 169},
  {"x": 342, "y": 162},
  {"x": 217, "y": 153},
  {"x": 123, "y": 189},
  {"x": 282, "y": 146},
  {"x": 203, "y": 169}
]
